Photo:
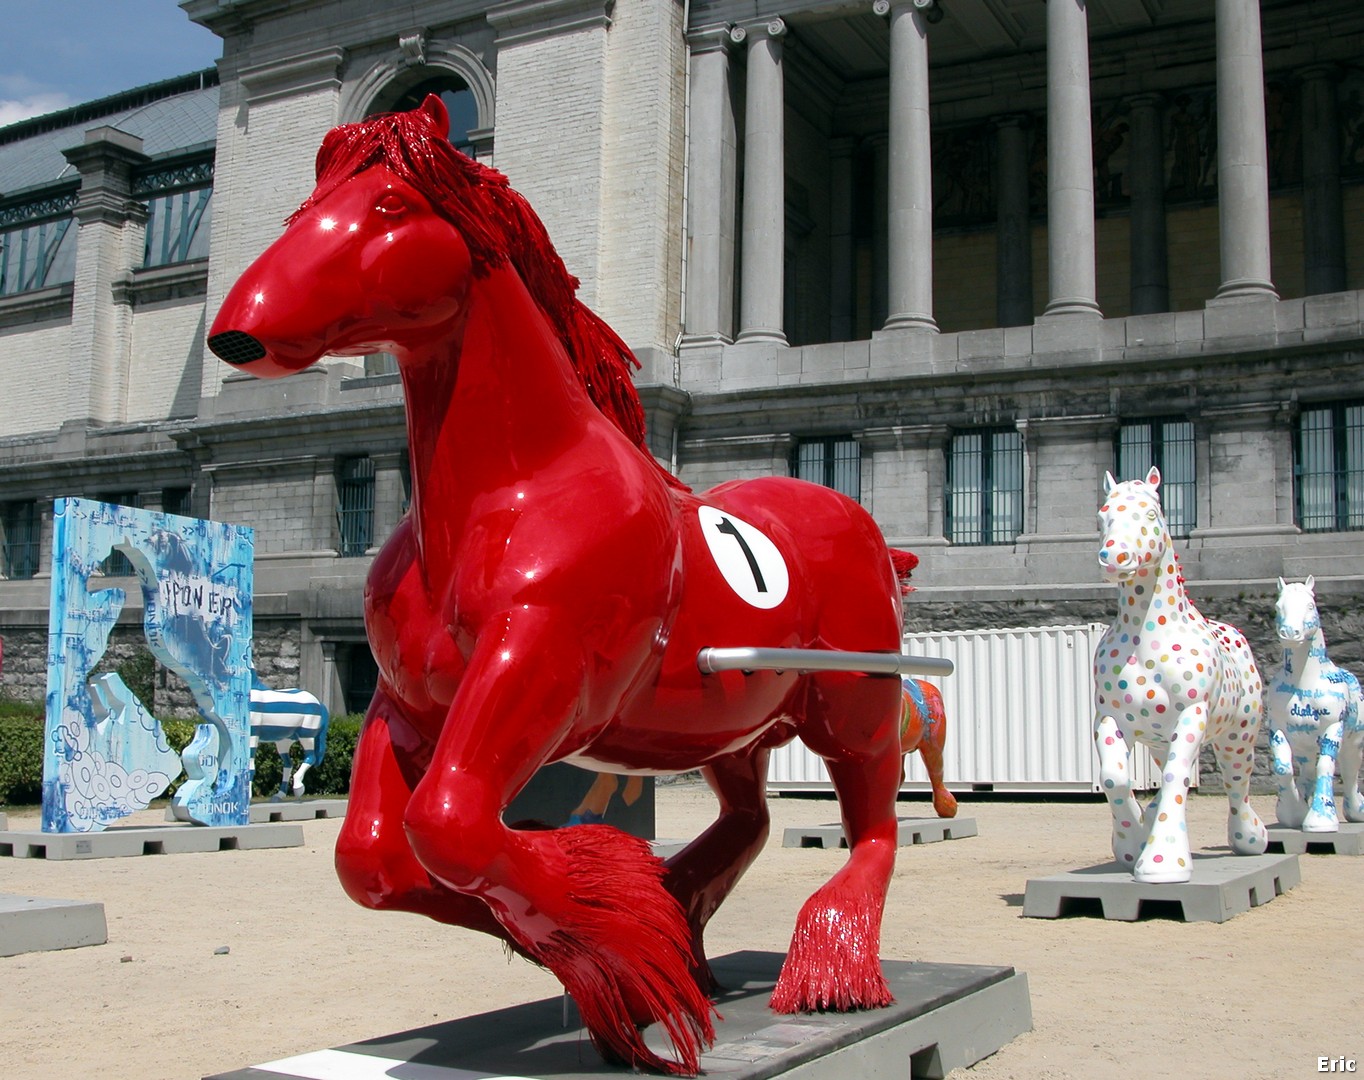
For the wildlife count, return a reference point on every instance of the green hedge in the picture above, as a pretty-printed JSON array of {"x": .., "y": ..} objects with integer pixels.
[{"x": 21, "y": 755}]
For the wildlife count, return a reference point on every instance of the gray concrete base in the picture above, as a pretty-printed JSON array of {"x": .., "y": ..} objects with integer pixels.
[
  {"x": 912, "y": 831},
  {"x": 1222, "y": 886},
  {"x": 121, "y": 841},
  {"x": 945, "y": 1017},
  {"x": 1348, "y": 841},
  {"x": 38, "y": 924},
  {"x": 290, "y": 810}
]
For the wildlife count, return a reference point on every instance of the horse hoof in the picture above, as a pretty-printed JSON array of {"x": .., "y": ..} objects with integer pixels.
[
  {"x": 1175, "y": 875},
  {"x": 1320, "y": 823}
]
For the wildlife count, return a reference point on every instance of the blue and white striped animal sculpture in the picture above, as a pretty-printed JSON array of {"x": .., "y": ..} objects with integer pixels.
[
  {"x": 285, "y": 717},
  {"x": 1315, "y": 719}
]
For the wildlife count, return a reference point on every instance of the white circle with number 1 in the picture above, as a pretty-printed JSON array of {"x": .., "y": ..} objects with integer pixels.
[{"x": 749, "y": 561}]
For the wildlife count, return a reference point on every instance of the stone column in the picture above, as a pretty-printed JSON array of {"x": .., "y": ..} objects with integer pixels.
[
  {"x": 841, "y": 239},
  {"x": 1071, "y": 286},
  {"x": 1150, "y": 289},
  {"x": 1013, "y": 231},
  {"x": 909, "y": 276},
  {"x": 762, "y": 271},
  {"x": 112, "y": 233},
  {"x": 1242, "y": 154},
  {"x": 711, "y": 188},
  {"x": 1323, "y": 220},
  {"x": 880, "y": 226}
]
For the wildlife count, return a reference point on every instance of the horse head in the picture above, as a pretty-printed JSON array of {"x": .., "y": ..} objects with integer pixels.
[
  {"x": 1131, "y": 526},
  {"x": 1295, "y": 613},
  {"x": 367, "y": 263}
]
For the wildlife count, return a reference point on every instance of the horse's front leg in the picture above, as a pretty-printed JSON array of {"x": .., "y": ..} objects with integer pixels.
[
  {"x": 1321, "y": 812},
  {"x": 1165, "y": 855},
  {"x": 1291, "y": 807},
  {"x": 586, "y": 901},
  {"x": 1115, "y": 774}
]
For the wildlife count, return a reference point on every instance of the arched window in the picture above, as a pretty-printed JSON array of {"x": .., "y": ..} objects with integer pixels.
[{"x": 459, "y": 103}]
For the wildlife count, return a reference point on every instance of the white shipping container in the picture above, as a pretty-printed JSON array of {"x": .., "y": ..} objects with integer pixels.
[{"x": 1020, "y": 715}]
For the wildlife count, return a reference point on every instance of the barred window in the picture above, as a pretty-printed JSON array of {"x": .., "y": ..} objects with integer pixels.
[
  {"x": 355, "y": 504},
  {"x": 37, "y": 244},
  {"x": 179, "y": 210},
  {"x": 835, "y": 463},
  {"x": 19, "y": 535},
  {"x": 984, "y": 491},
  {"x": 1169, "y": 446},
  {"x": 1328, "y": 468}
]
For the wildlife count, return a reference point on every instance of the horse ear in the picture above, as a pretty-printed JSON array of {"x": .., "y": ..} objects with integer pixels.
[
  {"x": 1281, "y": 584},
  {"x": 1109, "y": 482},
  {"x": 435, "y": 109},
  {"x": 1311, "y": 584},
  {"x": 1153, "y": 477}
]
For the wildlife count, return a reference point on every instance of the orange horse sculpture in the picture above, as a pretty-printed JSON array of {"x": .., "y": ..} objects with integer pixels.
[{"x": 923, "y": 727}]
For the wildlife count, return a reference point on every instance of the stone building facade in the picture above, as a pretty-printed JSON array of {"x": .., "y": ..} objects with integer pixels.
[{"x": 956, "y": 257}]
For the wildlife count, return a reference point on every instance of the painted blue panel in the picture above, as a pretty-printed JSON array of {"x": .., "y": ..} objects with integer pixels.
[{"x": 196, "y": 580}]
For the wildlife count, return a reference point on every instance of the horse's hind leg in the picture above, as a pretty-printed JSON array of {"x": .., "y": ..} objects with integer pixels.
[
  {"x": 834, "y": 960},
  {"x": 1351, "y": 759},
  {"x": 944, "y": 802},
  {"x": 703, "y": 873},
  {"x": 309, "y": 760},
  {"x": 284, "y": 747}
]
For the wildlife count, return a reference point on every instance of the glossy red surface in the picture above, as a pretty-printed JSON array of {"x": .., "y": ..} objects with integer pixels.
[{"x": 545, "y": 598}]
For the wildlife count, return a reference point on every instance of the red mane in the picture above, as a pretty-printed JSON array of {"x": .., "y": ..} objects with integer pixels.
[{"x": 499, "y": 227}]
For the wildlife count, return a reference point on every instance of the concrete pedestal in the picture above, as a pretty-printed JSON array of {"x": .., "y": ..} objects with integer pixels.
[
  {"x": 1222, "y": 886},
  {"x": 122, "y": 841},
  {"x": 263, "y": 813},
  {"x": 946, "y": 1016},
  {"x": 1348, "y": 841},
  {"x": 912, "y": 831},
  {"x": 38, "y": 924}
]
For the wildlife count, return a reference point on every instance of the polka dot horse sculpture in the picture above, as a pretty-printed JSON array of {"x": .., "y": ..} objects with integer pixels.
[
  {"x": 1169, "y": 679},
  {"x": 1315, "y": 720},
  {"x": 548, "y": 596}
]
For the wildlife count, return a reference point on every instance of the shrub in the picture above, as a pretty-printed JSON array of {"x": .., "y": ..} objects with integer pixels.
[
  {"x": 21, "y": 755},
  {"x": 21, "y": 752}
]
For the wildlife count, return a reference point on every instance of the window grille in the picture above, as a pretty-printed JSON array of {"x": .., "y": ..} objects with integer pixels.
[
  {"x": 179, "y": 211},
  {"x": 19, "y": 535},
  {"x": 175, "y": 500},
  {"x": 355, "y": 504},
  {"x": 1328, "y": 468},
  {"x": 984, "y": 493},
  {"x": 835, "y": 463},
  {"x": 1169, "y": 446},
  {"x": 37, "y": 244}
]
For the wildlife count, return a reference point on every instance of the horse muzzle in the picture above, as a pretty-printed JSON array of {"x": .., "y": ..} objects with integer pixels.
[{"x": 236, "y": 347}]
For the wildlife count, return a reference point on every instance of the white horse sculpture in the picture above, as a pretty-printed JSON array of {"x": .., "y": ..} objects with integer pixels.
[
  {"x": 1315, "y": 720},
  {"x": 1168, "y": 678}
]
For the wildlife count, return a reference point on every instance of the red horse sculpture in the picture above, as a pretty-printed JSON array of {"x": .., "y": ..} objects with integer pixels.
[{"x": 547, "y": 594}]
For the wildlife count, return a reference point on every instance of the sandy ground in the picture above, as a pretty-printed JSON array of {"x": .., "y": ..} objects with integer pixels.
[{"x": 1263, "y": 995}]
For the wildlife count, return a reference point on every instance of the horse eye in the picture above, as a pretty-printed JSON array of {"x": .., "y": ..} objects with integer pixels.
[{"x": 390, "y": 204}]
